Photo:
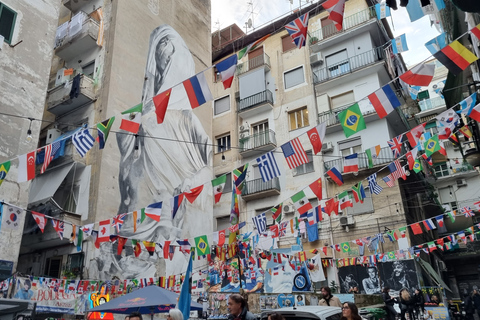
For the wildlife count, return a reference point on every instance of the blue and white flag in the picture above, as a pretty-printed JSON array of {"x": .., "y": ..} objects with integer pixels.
[
  {"x": 416, "y": 11},
  {"x": 268, "y": 166},
  {"x": 437, "y": 43},
  {"x": 260, "y": 223},
  {"x": 468, "y": 104},
  {"x": 373, "y": 185},
  {"x": 399, "y": 44},
  {"x": 83, "y": 141},
  {"x": 382, "y": 10},
  {"x": 414, "y": 91}
]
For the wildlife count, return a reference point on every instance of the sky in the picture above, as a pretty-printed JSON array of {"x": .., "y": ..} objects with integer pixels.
[{"x": 225, "y": 13}]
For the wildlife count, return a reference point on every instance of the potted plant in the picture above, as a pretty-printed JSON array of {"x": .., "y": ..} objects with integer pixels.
[{"x": 313, "y": 40}]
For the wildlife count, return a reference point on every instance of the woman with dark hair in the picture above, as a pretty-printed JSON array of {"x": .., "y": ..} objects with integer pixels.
[
  {"x": 25, "y": 293},
  {"x": 350, "y": 312},
  {"x": 419, "y": 303},
  {"x": 406, "y": 304},
  {"x": 238, "y": 308},
  {"x": 275, "y": 316},
  {"x": 389, "y": 304}
]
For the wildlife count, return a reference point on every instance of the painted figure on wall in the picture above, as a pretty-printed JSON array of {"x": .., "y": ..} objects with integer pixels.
[
  {"x": 400, "y": 276},
  {"x": 165, "y": 166},
  {"x": 371, "y": 285}
]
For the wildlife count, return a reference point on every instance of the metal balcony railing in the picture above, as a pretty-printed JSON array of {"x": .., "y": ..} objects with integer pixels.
[
  {"x": 331, "y": 117},
  {"x": 67, "y": 31},
  {"x": 257, "y": 140},
  {"x": 432, "y": 103},
  {"x": 445, "y": 171},
  {"x": 348, "y": 23},
  {"x": 385, "y": 156},
  {"x": 348, "y": 66},
  {"x": 261, "y": 60},
  {"x": 257, "y": 185},
  {"x": 255, "y": 100}
]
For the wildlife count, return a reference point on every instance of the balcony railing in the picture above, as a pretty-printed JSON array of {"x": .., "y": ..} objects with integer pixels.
[
  {"x": 264, "y": 97},
  {"x": 455, "y": 169},
  {"x": 261, "y": 60},
  {"x": 257, "y": 186},
  {"x": 432, "y": 103},
  {"x": 258, "y": 140},
  {"x": 348, "y": 23},
  {"x": 385, "y": 156},
  {"x": 331, "y": 117},
  {"x": 349, "y": 65}
]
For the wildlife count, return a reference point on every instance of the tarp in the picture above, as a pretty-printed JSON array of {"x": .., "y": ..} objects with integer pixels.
[
  {"x": 433, "y": 274},
  {"x": 44, "y": 186},
  {"x": 148, "y": 300}
]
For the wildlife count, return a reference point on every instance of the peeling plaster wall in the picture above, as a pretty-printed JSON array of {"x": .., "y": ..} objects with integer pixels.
[{"x": 24, "y": 71}]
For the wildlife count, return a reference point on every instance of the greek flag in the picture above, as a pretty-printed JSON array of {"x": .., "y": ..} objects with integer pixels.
[
  {"x": 373, "y": 185},
  {"x": 83, "y": 141},
  {"x": 268, "y": 166},
  {"x": 260, "y": 222}
]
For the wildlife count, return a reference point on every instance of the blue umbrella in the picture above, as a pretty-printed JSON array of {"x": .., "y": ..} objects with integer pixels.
[{"x": 149, "y": 300}]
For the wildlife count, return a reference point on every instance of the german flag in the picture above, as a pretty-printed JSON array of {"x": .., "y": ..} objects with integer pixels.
[
  {"x": 476, "y": 31},
  {"x": 162, "y": 282},
  {"x": 455, "y": 57}
]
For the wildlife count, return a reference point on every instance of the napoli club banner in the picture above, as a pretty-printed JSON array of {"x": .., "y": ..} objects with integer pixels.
[{"x": 50, "y": 296}]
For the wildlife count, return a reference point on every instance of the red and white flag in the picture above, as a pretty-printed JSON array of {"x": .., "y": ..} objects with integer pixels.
[
  {"x": 411, "y": 157},
  {"x": 414, "y": 134},
  {"x": 336, "y": 8},
  {"x": 26, "y": 167},
  {"x": 420, "y": 75},
  {"x": 317, "y": 136},
  {"x": 103, "y": 231},
  {"x": 40, "y": 220}
]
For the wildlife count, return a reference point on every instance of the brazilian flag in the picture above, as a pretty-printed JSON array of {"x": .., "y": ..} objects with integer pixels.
[
  {"x": 4, "y": 167},
  {"x": 201, "y": 243},
  {"x": 352, "y": 120},
  {"x": 417, "y": 166},
  {"x": 345, "y": 247},
  {"x": 432, "y": 146}
]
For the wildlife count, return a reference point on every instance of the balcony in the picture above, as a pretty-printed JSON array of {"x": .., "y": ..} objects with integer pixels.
[
  {"x": 74, "y": 5},
  {"x": 349, "y": 23},
  {"x": 256, "y": 189},
  {"x": 257, "y": 143},
  {"x": 59, "y": 101},
  {"x": 384, "y": 157},
  {"x": 430, "y": 104},
  {"x": 259, "y": 61},
  {"x": 455, "y": 171},
  {"x": 349, "y": 65},
  {"x": 77, "y": 36},
  {"x": 254, "y": 104},
  {"x": 331, "y": 117}
]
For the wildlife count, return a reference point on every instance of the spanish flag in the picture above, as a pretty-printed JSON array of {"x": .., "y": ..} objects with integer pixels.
[{"x": 455, "y": 57}]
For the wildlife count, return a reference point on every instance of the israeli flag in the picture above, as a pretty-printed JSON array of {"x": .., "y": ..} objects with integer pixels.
[
  {"x": 437, "y": 43},
  {"x": 268, "y": 167},
  {"x": 399, "y": 44}
]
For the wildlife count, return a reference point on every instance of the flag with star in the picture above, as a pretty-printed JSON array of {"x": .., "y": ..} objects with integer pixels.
[{"x": 351, "y": 120}]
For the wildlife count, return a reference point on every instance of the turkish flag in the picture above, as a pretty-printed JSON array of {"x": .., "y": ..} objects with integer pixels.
[
  {"x": 161, "y": 103},
  {"x": 317, "y": 188},
  {"x": 316, "y": 136},
  {"x": 193, "y": 193},
  {"x": 221, "y": 238},
  {"x": 103, "y": 231}
]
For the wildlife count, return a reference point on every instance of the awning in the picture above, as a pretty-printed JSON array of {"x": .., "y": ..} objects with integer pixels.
[
  {"x": 433, "y": 274},
  {"x": 44, "y": 186}
]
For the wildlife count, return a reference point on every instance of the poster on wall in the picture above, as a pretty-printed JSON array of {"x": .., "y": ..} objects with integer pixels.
[
  {"x": 286, "y": 280},
  {"x": 436, "y": 313},
  {"x": 286, "y": 300},
  {"x": 269, "y": 302},
  {"x": 299, "y": 300},
  {"x": 399, "y": 274}
]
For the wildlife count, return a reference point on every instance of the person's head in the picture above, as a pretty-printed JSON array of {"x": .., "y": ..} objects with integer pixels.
[
  {"x": 299, "y": 298},
  {"x": 398, "y": 268},
  {"x": 236, "y": 303},
  {"x": 135, "y": 316},
  {"x": 417, "y": 291},
  {"x": 405, "y": 294},
  {"x": 127, "y": 318},
  {"x": 349, "y": 278},
  {"x": 275, "y": 316},
  {"x": 349, "y": 309},
  {"x": 372, "y": 272},
  {"x": 175, "y": 314},
  {"x": 326, "y": 292},
  {"x": 386, "y": 289},
  {"x": 435, "y": 297},
  {"x": 27, "y": 284},
  {"x": 102, "y": 300},
  {"x": 474, "y": 291}
]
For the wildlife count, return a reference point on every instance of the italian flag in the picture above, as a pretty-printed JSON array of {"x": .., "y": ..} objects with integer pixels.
[
  {"x": 301, "y": 202},
  {"x": 218, "y": 186},
  {"x": 132, "y": 118}
]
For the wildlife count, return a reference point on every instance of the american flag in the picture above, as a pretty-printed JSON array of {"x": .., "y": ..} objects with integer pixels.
[
  {"x": 50, "y": 152},
  {"x": 467, "y": 212},
  {"x": 397, "y": 170},
  {"x": 297, "y": 29},
  {"x": 59, "y": 226},
  {"x": 373, "y": 185},
  {"x": 396, "y": 145},
  {"x": 282, "y": 231},
  {"x": 294, "y": 153},
  {"x": 118, "y": 220},
  {"x": 389, "y": 181}
]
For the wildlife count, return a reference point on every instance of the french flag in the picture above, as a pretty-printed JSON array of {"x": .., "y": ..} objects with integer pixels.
[
  {"x": 350, "y": 163},
  {"x": 335, "y": 175},
  {"x": 197, "y": 90},
  {"x": 384, "y": 101},
  {"x": 175, "y": 203},
  {"x": 428, "y": 224},
  {"x": 227, "y": 69}
]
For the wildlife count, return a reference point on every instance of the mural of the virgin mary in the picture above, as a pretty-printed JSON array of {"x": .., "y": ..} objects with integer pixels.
[{"x": 172, "y": 157}]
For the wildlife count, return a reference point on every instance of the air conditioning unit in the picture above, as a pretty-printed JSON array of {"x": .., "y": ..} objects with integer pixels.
[
  {"x": 461, "y": 183},
  {"x": 242, "y": 135},
  {"x": 243, "y": 128},
  {"x": 52, "y": 135},
  {"x": 347, "y": 221},
  {"x": 316, "y": 59},
  {"x": 327, "y": 147},
  {"x": 288, "y": 209}
]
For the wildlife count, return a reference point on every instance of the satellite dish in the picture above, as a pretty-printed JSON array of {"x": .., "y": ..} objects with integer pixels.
[{"x": 249, "y": 23}]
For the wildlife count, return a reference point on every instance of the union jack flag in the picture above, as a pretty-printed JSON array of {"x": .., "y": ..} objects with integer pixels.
[
  {"x": 396, "y": 145},
  {"x": 50, "y": 152},
  {"x": 297, "y": 29},
  {"x": 282, "y": 231},
  {"x": 389, "y": 181},
  {"x": 117, "y": 221},
  {"x": 467, "y": 212},
  {"x": 59, "y": 226}
]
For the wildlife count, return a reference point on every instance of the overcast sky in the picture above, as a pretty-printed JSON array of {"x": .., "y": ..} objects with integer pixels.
[{"x": 225, "y": 13}]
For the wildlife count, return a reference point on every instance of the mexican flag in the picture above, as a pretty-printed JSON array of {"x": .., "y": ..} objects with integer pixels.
[
  {"x": 301, "y": 202},
  {"x": 218, "y": 186},
  {"x": 132, "y": 118}
]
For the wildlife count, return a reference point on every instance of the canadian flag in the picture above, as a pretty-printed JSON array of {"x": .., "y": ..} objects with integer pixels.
[
  {"x": 26, "y": 167},
  {"x": 103, "y": 231}
]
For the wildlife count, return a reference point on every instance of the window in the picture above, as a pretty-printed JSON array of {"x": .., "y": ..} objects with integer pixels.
[
  {"x": 223, "y": 143},
  {"x": 361, "y": 208},
  {"x": 287, "y": 43},
  {"x": 223, "y": 222},
  {"x": 89, "y": 69},
  {"x": 342, "y": 100},
  {"x": 217, "y": 76},
  {"x": 7, "y": 22},
  {"x": 53, "y": 267},
  {"x": 441, "y": 170},
  {"x": 350, "y": 146},
  {"x": 338, "y": 63},
  {"x": 298, "y": 118},
  {"x": 228, "y": 183},
  {"x": 260, "y": 127},
  {"x": 307, "y": 167},
  {"x": 293, "y": 77},
  {"x": 221, "y": 105},
  {"x": 452, "y": 205}
]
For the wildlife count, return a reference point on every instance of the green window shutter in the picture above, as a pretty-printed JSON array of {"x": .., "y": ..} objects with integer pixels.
[{"x": 7, "y": 22}]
